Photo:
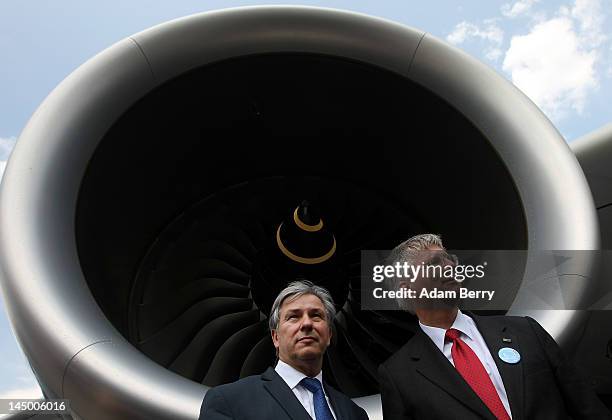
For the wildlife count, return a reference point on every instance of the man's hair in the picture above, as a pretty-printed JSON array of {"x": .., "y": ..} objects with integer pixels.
[
  {"x": 300, "y": 288},
  {"x": 407, "y": 252}
]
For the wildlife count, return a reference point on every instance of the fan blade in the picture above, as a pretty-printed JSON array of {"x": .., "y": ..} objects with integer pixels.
[
  {"x": 261, "y": 356},
  {"x": 162, "y": 311},
  {"x": 354, "y": 344},
  {"x": 194, "y": 361},
  {"x": 208, "y": 248},
  {"x": 165, "y": 280},
  {"x": 164, "y": 344},
  {"x": 344, "y": 370},
  {"x": 226, "y": 365}
]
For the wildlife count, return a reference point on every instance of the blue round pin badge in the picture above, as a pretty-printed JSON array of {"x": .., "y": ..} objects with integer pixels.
[{"x": 509, "y": 355}]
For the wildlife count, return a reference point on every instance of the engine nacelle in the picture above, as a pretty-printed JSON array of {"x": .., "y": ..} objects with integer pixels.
[{"x": 142, "y": 194}]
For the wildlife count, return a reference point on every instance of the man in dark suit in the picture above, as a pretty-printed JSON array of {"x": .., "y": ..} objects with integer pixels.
[
  {"x": 300, "y": 323},
  {"x": 470, "y": 367}
]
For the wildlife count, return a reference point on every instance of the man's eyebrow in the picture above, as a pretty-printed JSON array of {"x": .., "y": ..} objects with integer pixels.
[{"x": 317, "y": 310}]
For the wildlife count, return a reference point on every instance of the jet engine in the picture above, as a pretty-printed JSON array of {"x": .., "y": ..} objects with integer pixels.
[{"x": 141, "y": 208}]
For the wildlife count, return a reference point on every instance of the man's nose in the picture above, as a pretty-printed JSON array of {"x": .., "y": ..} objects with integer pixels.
[{"x": 306, "y": 322}]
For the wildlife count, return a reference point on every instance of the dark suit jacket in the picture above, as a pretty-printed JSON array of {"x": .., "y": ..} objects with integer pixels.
[
  {"x": 267, "y": 396},
  {"x": 418, "y": 382}
]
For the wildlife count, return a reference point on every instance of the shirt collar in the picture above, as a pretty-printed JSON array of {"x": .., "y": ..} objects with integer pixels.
[
  {"x": 291, "y": 375},
  {"x": 462, "y": 323}
]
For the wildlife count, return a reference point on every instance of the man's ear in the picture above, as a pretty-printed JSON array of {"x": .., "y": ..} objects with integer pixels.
[
  {"x": 404, "y": 284},
  {"x": 274, "y": 339}
]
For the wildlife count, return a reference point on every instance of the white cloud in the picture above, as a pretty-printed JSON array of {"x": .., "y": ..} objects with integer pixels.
[
  {"x": 23, "y": 384},
  {"x": 465, "y": 30},
  {"x": 6, "y": 147},
  {"x": 520, "y": 7},
  {"x": 490, "y": 33},
  {"x": 555, "y": 64},
  {"x": 31, "y": 392},
  {"x": 558, "y": 61},
  {"x": 590, "y": 19},
  {"x": 608, "y": 61},
  {"x": 493, "y": 53}
]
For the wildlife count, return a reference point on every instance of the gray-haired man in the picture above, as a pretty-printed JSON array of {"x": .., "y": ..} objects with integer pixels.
[
  {"x": 300, "y": 323},
  {"x": 461, "y": 366}
]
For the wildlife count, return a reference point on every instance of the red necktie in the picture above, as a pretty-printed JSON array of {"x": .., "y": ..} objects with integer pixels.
[{"x": 469, "y": 366}]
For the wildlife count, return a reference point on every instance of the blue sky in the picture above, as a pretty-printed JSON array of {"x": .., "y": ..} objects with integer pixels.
[{"x": 558, "y": 52}]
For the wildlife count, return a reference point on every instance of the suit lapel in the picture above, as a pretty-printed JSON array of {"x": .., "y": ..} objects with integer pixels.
[
  {"x": 339, "y": 409},
  {"x": 285, "y": 397},
  {"x": 512, "y": 374},
  {"x": 433, "y": 365}
]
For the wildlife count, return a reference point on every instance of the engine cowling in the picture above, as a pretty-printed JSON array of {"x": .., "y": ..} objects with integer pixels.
[{"x": 138, "y": 205}]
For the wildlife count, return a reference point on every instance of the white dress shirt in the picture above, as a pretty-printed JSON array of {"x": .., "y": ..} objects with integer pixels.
[
  {"x": 472, "y": 337},
  {"x": 292, "y": 377}
]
